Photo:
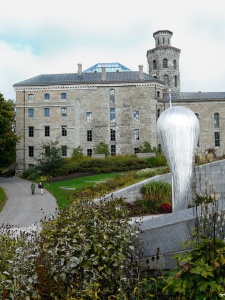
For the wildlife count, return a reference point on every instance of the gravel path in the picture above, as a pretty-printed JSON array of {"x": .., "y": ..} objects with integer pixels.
[{"x": 21, "y": 208}]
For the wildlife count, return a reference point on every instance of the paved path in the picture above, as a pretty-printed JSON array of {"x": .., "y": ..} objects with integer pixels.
[{"x": 23, "y": 209}]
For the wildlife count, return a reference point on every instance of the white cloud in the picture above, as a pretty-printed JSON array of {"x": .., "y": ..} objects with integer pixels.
[{"x": 52, "y": 37}]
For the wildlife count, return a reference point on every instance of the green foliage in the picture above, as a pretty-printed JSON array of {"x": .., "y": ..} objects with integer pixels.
[
  {"x": 8, "y": 137},
  {"x": 87, "y": 251},
  {"x": 146, "y": 148},
  {"x": 102, "y": 148},
  {"x": 2, "y": 198},
  {"x": 51, "y": 159},
  {"x": 77, "y": 153}
]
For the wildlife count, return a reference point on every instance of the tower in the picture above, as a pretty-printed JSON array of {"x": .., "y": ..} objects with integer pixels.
[{"x": 163, "y": 60}]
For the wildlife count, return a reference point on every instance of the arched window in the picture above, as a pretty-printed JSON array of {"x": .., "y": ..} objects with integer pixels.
[
  {"x": 166, "y": 79},
  {"x": 163, "y": 41},
  {"x": 158, "y": 113},
  {"x": 175, "y": 81},
  {"x": 174, "y": 64},
  {"x": 158, "y": 41},
  {"x": 216, "y": 120},
  {"x": 154, "y": 65},
  {"x": 165, "y": 63},
  {"x": 112, "y": 96}
]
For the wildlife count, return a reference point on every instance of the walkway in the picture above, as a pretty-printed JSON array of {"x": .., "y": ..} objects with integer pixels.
[{"x": 23, "y": 209}]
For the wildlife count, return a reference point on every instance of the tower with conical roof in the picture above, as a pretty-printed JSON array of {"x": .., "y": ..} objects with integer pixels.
[{"x": 163, "y": 60}]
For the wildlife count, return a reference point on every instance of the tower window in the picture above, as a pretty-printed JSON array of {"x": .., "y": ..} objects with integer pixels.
[
  {"x": 175, "y": 81},
  {"x": 174, "y": 64},
  {"x": 154, "y": 65},
  {"x": 165, "y": 63},
  {"x": 166, "y": 79}
]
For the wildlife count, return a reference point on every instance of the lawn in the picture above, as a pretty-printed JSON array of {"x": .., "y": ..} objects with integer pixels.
[{"x": 63, "y": 190}]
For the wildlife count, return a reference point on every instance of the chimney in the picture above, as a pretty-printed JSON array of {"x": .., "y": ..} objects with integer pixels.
[
  {"x": 141, "y": 75},
  {"x": 79, "y": 68},
  {"x": 103, "y": 73}
]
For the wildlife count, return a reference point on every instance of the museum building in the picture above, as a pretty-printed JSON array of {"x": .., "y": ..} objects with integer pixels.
[{"x": 110, "y": 103}]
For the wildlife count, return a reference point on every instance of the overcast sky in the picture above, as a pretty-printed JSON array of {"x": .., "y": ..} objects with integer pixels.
[{"x": 46, "y": 37}]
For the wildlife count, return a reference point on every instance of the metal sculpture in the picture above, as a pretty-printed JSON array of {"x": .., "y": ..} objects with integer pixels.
[{"x": 178, "y": 132}]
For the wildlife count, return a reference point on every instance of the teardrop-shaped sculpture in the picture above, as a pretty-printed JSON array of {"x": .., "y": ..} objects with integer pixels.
[{"x": 178, "y": 133}]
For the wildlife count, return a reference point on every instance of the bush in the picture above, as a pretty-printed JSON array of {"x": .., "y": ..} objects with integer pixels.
[{"x": 87, "y": 251}]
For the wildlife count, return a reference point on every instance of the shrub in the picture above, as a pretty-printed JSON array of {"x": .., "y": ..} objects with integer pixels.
[
  {"x": 102, "y": 148},
  {"x": 87, "y": 251},
  {"x": 77, "y": 153}
]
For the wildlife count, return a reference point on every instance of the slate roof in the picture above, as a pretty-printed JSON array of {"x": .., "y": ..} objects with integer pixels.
[
  {"x": 85, "y": 78},
  {"x": 195, "y": 96}
]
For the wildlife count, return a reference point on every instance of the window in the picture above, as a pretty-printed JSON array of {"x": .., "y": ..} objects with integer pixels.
[
  {"x": 63, "y": 111},
  {"x": 113, "y": 150},
  {"x": 31, "y": 131},
  {"x": 165, "y": 63},
  {"x": 88, "y": 117},
  {"x": 47, "y": 150},
  {"x": 31, "y": 151},
  {"x": 136, "y": 150},
  {"x": 158, "y": 94},
  {"x": 174, "y": 64},
  {"x": 30, "y": 97},
  {"x": 46, "y": 112},
  {"x": 47, "y": 96},
  {"x": 112, "y": 115},
  {"x": 175, "y": 81},
  {"x": 89, "y": 135},
  {"x": 64, "y": 150},
  {"x": 30, "y": 166},
  {"x": 64, "y": 130},
  {"x": 158, "y": 113},
  {"x": 113, "y": 133},
  {"x": 166, "y": 79},
  {"x": 30, "y": 112},
  {"x": 89, "y": 152},
  {"x": 217, "y": 139},
  {"x": 216, "y": 120},
  {"x": 63, "y": 96},
  {"x": 47, "y": 130},
  {"x": 163, "y": 41},
  {"x": 136, "y": 134},
  {"x": 112, "y": 96},
  {"x": 136, "y": 116},
  {"x": 197, "y": 115},
  {"x": 154, "y": 65}
]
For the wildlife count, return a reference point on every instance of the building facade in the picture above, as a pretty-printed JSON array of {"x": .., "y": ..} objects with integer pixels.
[{"x": 110, "y": 103}]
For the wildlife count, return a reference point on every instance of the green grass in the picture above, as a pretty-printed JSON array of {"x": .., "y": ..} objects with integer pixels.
[
  {"x": 63, "y": 196},
  {"x": 2, "y": 198}
]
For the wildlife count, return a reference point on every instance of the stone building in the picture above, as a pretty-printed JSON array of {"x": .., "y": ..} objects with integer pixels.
[{"x": 110, "y": 103}]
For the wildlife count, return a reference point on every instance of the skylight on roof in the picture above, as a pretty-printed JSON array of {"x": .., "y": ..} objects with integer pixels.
[{"x": 110, "y": 67}]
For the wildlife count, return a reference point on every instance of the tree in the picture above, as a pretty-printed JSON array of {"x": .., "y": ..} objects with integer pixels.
[
  {"x": 102, "y": 148},
  {"x": 146, "y": 148},
  {"x": 51, "y": 158},
  {"x": 8, "y": 138},
  {"x": 77, "y": 152}
]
